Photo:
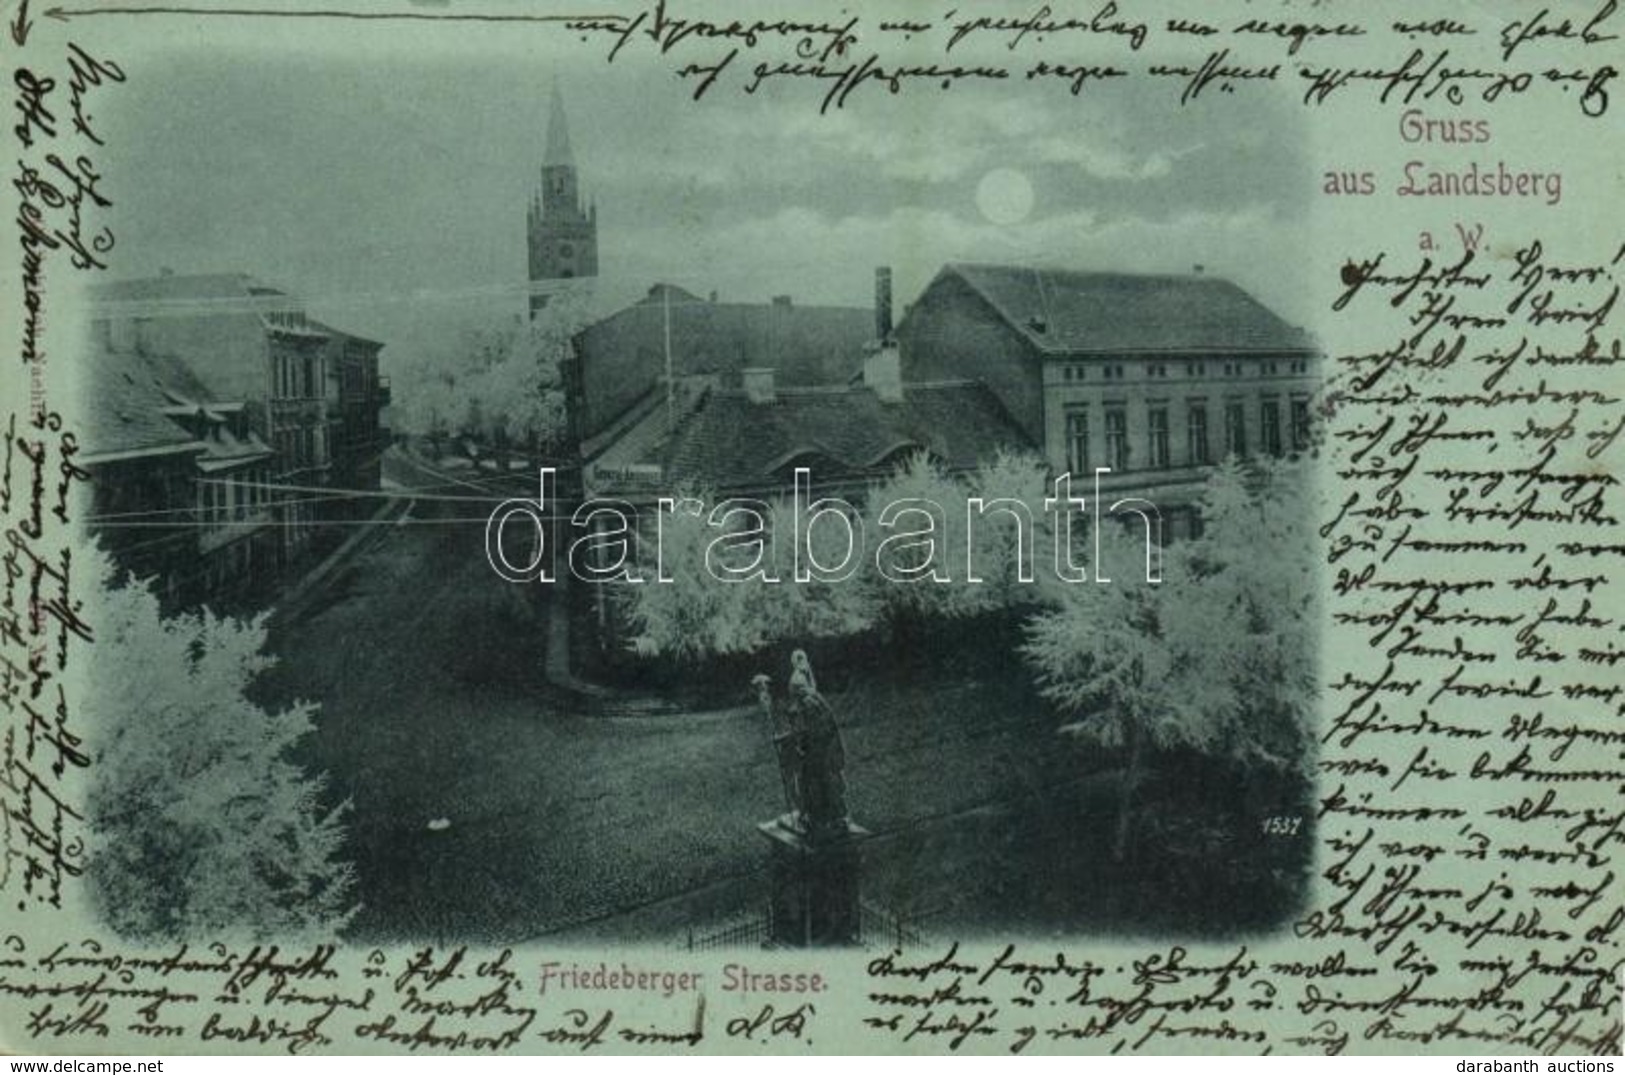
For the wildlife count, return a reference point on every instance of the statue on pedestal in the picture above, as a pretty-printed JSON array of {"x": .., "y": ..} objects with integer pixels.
[
  {"x": 823, "y": 755},
  {"x": 786, "y": 747},
  {"x": 812, "y": 758}
]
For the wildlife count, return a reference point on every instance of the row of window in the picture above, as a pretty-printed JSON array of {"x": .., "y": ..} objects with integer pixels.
[
  {"x": 234, "y": 499},
  {"x": 301, "y": 449},
  {"x": 297, "y": 376},
  {"x": 1193, "y": 368},
  {"x": 301, "y": 376},
  {"x": 1199, "y": 447},
  {"x": 357, "y": 382},
  {"x": 227, "y": 500}
]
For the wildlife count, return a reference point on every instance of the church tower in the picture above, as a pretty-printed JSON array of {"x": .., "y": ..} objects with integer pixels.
[{"x": 563, "y": 237}]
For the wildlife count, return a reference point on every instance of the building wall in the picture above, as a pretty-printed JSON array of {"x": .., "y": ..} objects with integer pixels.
[
  {"x": 1136, "y": 385},
  {"x": 354, "y": 398},
  {"x": 279, "y": 376},
  {"x": 141, "y": 514},
  {"x": 298, "y": 436},
  {"x": 277, "y": 364},
  {"x": 236, "y": 543},
  {"x": 611, "y": 367},
  {"x": 951, "y": 333}
]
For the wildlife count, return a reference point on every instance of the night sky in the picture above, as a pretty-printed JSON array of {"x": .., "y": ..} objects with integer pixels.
[{"x": 392, "y": 195}]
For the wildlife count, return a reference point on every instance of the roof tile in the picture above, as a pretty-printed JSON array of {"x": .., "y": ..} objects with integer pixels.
[
  {"x": 730, "y": 443},
  {"x": 1065, "y": 311}
]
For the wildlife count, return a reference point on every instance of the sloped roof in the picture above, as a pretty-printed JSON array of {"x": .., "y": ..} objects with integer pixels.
[
  {"x": 557, "y": 154},
  {"x": 208, "y": 292},
  {"x": 806, "y": 345},
  {"x": 205, "y": 334},
  {"x": 224, "y": 449},
  {"x": 639, "y": 435},
  {"x": 214, "y": 323},
  {"x": 341, "y": 334},
  {"x": 1065, "y": 311},
  {"x": 237, "y": 299},
  {"x": 121, "y": 408},
  {"x": 175, "y": 378},
  {"x": 729, "y": 442},
  {"x": 141, "y": 401}
]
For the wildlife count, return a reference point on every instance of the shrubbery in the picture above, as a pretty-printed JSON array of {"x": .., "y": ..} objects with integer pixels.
[{"x": 202, "y": 825}]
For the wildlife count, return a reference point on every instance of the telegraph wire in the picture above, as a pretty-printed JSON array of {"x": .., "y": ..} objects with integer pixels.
[
  {"x": 194, "y": 524},
  {"x": 322, "y": 493}
]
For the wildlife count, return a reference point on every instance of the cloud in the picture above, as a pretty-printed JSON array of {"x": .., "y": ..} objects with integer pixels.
[
  {"x": 1108, "y": 163},
  {"x": 823, "y": 258},
  {"x": 826, "y": 258},
  {"x": 333, "y": 182},
  {"x": 910, "y": 144},
  {"x": 787, "y": 145}
]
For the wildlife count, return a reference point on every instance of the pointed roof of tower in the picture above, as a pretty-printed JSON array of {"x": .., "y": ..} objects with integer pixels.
[{"x": 557, "y": 154}]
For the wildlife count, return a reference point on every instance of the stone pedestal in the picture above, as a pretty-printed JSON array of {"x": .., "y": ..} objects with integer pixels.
[{"x": 815, "y": 884}]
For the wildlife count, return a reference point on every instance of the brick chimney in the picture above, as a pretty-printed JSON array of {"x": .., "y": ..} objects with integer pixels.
[
  {"x": 883, "y": 324},
  {"x": 759, "y": 384}
]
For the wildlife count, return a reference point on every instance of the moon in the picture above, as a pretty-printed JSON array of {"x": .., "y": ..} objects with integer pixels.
[{"x": 1005, "y": 196}]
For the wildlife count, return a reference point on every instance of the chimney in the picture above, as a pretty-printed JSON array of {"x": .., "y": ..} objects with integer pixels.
[
  {"x": 781, "y": 300},
  {"x": 883, "y": 374},
  {"x": 883, "y": 325},
  {"x": 759, "y": 386},
  {"x": 1198, "y": 268}
]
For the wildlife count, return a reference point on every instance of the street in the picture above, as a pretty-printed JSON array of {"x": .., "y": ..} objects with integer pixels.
[{"x": 429, "y": 671}]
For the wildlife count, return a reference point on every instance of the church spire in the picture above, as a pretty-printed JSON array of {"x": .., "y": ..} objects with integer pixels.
[
  {"x": 562, "y": 234},
  {"x": 557, "y": 154}
]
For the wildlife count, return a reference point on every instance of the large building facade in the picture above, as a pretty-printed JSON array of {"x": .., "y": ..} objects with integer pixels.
[
  {"x": 561, "y": 232},
  {"x": 274, "y": 408},
  {"x": 1157, "y": 378},
  {"x": 355, "y": 398},
  {"x": 179, "y": 483}
]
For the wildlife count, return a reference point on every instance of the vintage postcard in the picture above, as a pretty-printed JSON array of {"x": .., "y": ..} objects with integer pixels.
[{"x": 685, "y": 526}]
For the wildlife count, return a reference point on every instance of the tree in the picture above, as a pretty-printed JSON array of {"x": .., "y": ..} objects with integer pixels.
[
  {"x": 1001, "y": 549},
  {"x": 698, "y": 615},
  {"x": 498, "y": 384},
  {"x": 1106, "y": 655},
  {"x": 1219, "y": 657},
  {"x": 201, "y": 823},
  {"x": 1258, "y": 566},
  {"x": 917, "y": 486},
  {"x": 962, "y": 542}
]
